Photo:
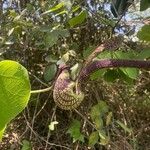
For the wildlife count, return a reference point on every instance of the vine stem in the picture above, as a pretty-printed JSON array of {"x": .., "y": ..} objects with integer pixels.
[{"x": 41, "y": 90}]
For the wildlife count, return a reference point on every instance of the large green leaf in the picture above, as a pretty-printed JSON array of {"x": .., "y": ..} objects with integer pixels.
[
  {"x": 143, "y": 34},
  {"x": 14, "y": 91},
  {"x": 144, "y": 4}
]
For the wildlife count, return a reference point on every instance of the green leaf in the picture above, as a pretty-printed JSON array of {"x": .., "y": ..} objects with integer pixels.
[
  {"x": 61, "y": 13},
  {"x": 124, "y": 55},
  {"x": 125, "y": 77},
  {"x": 111, "y": 75},
  {"x": 51, "y": 39},
  {"x": 55, "y": 8},
  {"x": 51, "y": 58},
  {"x": 99, "y": 122},
  {"x": 50, "y": 72},
  {"x": 144, "y": 4},
  {"x": 102, "y": 134},
  {"x": 124, "y": 126},
  {"x": 26, "y": 145},
  {"x": 74, "y": 131},
  {"x": 93, "y": 138},
  {"x": 80, "y": 18},
  {"x": 143, "y": 34},
  {"x": 63, "y": 32},
  {"x": 105, "y": 54},
  {"x": 145, "y": 53},
  {"x": 14, "y": 91},
  {"x": 131, "y": 72},
  {"x": 97, "y": 113},
  {"x": 97, "y": 74},
  {"x": 75, "y": 8},
  {"x": 98, "y": 110},
  {"x": 103, "y": 107}
]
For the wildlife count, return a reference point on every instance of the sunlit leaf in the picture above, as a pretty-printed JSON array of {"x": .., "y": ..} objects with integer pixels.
[
  {"x": 80, "y": 18},
  {"x": 131, "y": 72},
  {"x": 58, "y": 6},
  {"x": 61, "y": 13},
  {"x": 14, "y": 91},
  {"x": 102, "y": 134}
]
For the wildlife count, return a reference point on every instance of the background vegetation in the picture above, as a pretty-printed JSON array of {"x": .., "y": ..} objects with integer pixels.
[{"x": 40, "y": 35}]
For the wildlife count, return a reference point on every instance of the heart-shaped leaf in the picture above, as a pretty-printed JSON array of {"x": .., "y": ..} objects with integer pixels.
[{"x": 14, "y": 91}]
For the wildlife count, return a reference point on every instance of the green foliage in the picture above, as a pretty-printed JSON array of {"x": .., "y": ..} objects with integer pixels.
[
  {"x": 74, "y": 131},
  {"x": 15, "y": 91},
  {"x": 93, "y": 138},
  {"x": 145, "y": 53},
  {"x": 26, "y": 145},
  {"x": 100, "y": 118},
  {"x": 80, "y": 18},
  {"x": 111, "y": 75},
  {"x": 143, "y": 34},
  {"x": 144, "y": 4},
  {"x": 52, "y": 37},
  {"x": 55, "y": 8},
  {"x": 50, "y": 72}
]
